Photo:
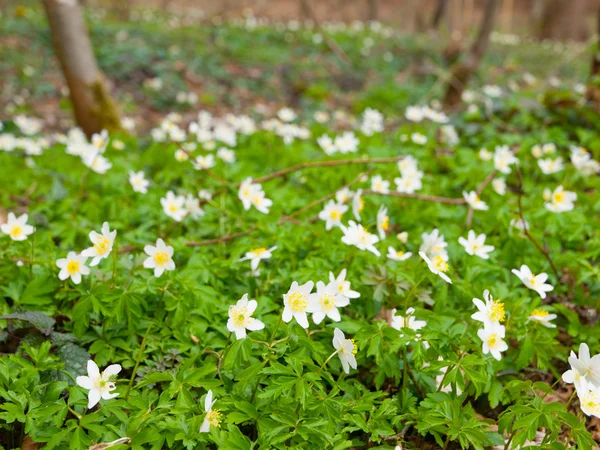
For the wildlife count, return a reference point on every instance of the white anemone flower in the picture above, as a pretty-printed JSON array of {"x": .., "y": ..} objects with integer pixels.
[
  {"x": 213, "y": 416},
  {"x": 534, "y": 282},
  {"x": 542, "y": 316},
  {"x": 583, "y": 368},
  {"x": 437, "y": 265},
  {"x": 326, "y": 302},
  {"x": 346, "y": 350},
  {"x": 138, "y": 182},
  {"x": 73, "y": 266},
  {"x": 102, "y": 244},
  {"x": 357, "y": 204},
  {"x": 493, "y": 340},
  {"x": 472, "y": 198},
  {"x": 160, "y": 257},
  {"x": 240, "y": 317},
  {"x": 99, "y": 384},
  {"x": 174, "y": 206},
  {"x": 332, "y": 214},
  {"x": 257, "y": 255},
  {"x": 297, "y": 303},
  {"x": 398, "y": 255},
  {"x": 407, "y": 321},
  {"x": 342, "y": 285},
  {"x": 491, "y": 312},
  {"x": 16, "y": 227},
  {"x": 559, "y": 200},
  {"x": 475, "y": 245}
]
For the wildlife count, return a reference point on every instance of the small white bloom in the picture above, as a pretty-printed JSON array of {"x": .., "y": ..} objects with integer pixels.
[
  {"x": 226, "y": 155},
  {"x": 485, "y": 154},
  {"x": 102, "y": 244},
  {"x": 355, "y": 234},
  {"x": 347, "y": 142},
  {"x": 434, "y": 244},
  {"x": 534, "y": 282},
  {"x": 326, "y": 302},
  {"x": 589, "y": 399},
  {"x": 402, "y": 237},
  {"x": 584, "y": 368},
  {"x": 138, "y": 182},
  {"x": 99, "y": 384},
  {"x": 378, "y": 184},
  {"x": 550, "y": 166},
  {"x": 16, "y": 227},
  {"x": 174, "y": 206},
  {"x": 542, "y": 316},
  {"x": 286, "y": 115},
  {"x": 491, "y": 312},
  {"x": 407, "y": 321},
  {"x": 493, "y": 340},
  {"x": 344, "y": 195},
  {"x": 213, "y": 416},
  {"x": 398, "y": 255},
  {"x": 342, "y": 286},
  {"x": 327, "y": 145},
  {"x": 257, "y": 255},
  {"x": 472, "y": 198},
  {"x": 560, "y": 200},
  {"x": 240, "y": 317},
  {"x": 160, "y": 257},
  {"x": 504, "y": 158},
  {"x": 475, "y": 245},
  {"x": 437, "y": 265},
  {"x": 332, "y": 214},
  {"x": 499, "y": 185},
  {"x": 346, "y": 350},
  {"x": 297, "y": 303},
  {"x": 418, "y": 138},
  {"x": 383, "y": 221},
  {"x": 73, "y": 266},
  {"x": 519, "y": 224},
  {"x": 357, "y": 204},
  {"x": 204, "y": 162}
]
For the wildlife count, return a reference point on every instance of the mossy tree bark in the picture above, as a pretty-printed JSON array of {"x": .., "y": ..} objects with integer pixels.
[
  {"x": 94, "y": 108},
  {"x": 462, "y": 70}
]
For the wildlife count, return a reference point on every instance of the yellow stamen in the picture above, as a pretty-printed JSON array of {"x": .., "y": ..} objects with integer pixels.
[
  {"x": 73, "y": 267},
  {"x": 102, "y": 245},
  {"x": 214, "y": 417},
  {"x": 440, "y": 264},
  {"x": 327, "y": 301},
  {"x": 497, "y": 311},
  {"x": 161, "y": 258},
  {"x": 540, "y": 312},
  {"x": 297, "y": 302},
  {"x": 16, "y": 231}
]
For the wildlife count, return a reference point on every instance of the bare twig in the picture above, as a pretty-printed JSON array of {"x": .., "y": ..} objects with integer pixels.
[
  {"x": 331, "y": 43},
  {"x": 479, "y": 190},
  {"x": 424, "y": 197},
  {"x": 542, "y": 250},
  {"x": 329, "y": 163}
]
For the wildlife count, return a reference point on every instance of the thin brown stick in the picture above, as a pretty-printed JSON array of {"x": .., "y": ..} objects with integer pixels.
[
  {"x": 424, "y": 197},
  {"x": 330, "y": 195},
  {"x": 330, "y": 163},
  {"x": 227, "y": 237},
  {"x": 331, "y": 43},
  {"x": 542, "y": 250},
  {"x": 479, "y": 190}
]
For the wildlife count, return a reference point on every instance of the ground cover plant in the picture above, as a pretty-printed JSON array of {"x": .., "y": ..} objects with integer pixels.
[{"x": 355, "y": 268}]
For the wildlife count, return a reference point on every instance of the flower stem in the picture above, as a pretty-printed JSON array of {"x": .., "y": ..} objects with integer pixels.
[
  {"x": 275, "y": 331},
  {"x": 139, "y": 358},
  {"x": 75, "y": 413}
]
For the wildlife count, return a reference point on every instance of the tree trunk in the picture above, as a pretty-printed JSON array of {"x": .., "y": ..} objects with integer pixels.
[
  {"x": 440, "y": 10},
  {"x": 93, "y": 106},
  {"x": 593, "y": 88},
  {"x": 562, "y": 19},
  {"x": 373, "y": 10},
  {"x": 462, "y": 70}
]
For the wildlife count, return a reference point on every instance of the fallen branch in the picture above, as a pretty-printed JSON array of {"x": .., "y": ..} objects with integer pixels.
[
  {"x": 330, "y": 163},
  {"x": 479, "y": 190},
  {"x": 542, "y": 250},
  {"x": 424, "y": 197}
]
